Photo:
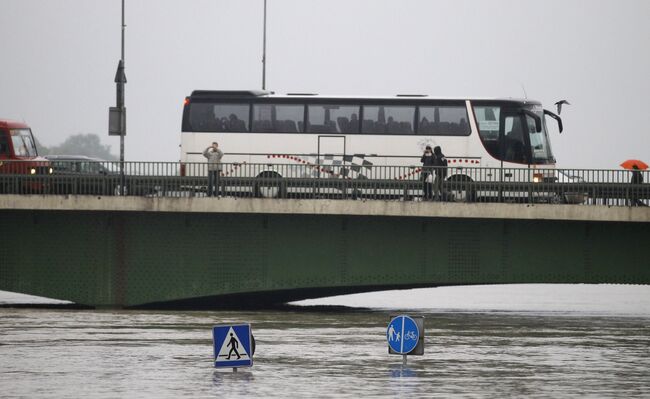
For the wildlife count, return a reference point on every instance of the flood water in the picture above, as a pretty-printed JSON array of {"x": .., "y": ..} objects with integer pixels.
[{"x": 526, "y": 341}]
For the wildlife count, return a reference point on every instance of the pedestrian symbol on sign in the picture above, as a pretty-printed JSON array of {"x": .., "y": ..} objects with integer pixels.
[
  {"x": 391, "y": 332},
  {"x": 234, "y": 344}
]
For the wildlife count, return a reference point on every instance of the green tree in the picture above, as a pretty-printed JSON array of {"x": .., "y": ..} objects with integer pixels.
[
  {"x": 80, "y": 144},
  {"x": 42, "y": 150}
]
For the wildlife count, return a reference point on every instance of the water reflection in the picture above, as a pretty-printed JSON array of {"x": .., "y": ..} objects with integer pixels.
[
  {"x": 230, "y": 376},
  {"x": 402, "y": 372}
]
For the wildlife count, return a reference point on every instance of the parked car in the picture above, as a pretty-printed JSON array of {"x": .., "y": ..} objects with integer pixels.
[{"x": 79, "y": 174}]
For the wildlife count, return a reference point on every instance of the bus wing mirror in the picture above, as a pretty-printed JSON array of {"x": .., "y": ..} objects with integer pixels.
[
  {"x": 536, "y": 118},
  {"x": 556, "y": 117}
]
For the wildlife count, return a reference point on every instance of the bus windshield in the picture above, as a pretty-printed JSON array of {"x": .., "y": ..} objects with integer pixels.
[
  {"x": 540, "y": 146},
  {"x": 510, "y": 135},
  {"x": 23, "y": 143}
]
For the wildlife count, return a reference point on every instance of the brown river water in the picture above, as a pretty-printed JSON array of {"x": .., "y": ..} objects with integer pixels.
[{"x": 517, "y": 341}]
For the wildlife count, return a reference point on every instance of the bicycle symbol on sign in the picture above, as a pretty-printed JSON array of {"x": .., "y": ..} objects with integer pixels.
[{"x": 409, "y": 335}]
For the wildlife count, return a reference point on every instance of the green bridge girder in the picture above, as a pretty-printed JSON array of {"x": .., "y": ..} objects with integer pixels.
[{"x": 214, "y": 260}]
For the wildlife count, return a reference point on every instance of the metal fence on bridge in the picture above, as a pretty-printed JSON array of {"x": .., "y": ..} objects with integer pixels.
[{"x": 310, "y": 181}]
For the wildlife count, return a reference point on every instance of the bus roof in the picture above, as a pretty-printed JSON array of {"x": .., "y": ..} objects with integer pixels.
[
  {"x": 314, "y": 97},
  {"x": 9, "y": 124}
]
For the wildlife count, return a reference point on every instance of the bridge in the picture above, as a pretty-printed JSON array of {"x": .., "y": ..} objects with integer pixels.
[{"x": 170, "y": 249}]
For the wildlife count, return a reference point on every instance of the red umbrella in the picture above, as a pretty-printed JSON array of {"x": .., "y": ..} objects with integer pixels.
[{"x": 631, "y": 163}]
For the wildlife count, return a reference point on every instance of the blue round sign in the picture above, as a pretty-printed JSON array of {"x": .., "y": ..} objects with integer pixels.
[{"x": 402, "y": 334}]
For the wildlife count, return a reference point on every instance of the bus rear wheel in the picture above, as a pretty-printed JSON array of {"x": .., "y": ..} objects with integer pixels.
[
  {"x": 460, "y": 190},
  {"x": 269, "y": 185}
]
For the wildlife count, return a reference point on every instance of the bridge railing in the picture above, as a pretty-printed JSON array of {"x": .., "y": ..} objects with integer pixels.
[{"x": 343, "y": 181}]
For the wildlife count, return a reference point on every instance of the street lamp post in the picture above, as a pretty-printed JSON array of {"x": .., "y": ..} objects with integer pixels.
[
  {"x": 264, "y": 50},
  {"x": 117, "y": 114}
]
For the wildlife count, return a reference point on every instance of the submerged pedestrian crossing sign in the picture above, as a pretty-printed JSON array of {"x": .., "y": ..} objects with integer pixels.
[
  {"x": 232, "y": 345},
  {"x": 402, "y": 334}
]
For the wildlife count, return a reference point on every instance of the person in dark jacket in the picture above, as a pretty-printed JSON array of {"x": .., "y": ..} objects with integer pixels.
[
  {"x": 427, "y": 170},
  {"x": 440, "y": 164},
  {"x": 637, "y": 178}
]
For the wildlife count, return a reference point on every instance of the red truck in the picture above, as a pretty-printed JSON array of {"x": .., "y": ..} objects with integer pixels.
[{"x": 22, "y": 171}]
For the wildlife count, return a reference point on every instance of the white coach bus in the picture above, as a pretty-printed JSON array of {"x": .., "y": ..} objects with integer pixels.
[{"x": 355, "y": 134}]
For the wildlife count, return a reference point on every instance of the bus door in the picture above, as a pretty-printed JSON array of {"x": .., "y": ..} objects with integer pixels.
[
  {"x": 516, "y": 149},
  {"x": 513, "y": 144},
  {"x": 513, "y": 150}
]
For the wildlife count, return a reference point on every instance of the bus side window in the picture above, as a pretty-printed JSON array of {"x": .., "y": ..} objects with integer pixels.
[
  {"x": 488, "y": 120},
  {"x": 374, "y": 119},
  {"x": 445, "y": 120},
  {"x": 285, "y": 117},
  {"x": 390, "y": 119},
  {"x": 332, "y": 118},
  {"x": 353, "y": 125},
  {"x": 343, "y": 124}
]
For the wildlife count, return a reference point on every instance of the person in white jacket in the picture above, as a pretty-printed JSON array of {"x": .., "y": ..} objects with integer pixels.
[{"x": 214, "y": 155}]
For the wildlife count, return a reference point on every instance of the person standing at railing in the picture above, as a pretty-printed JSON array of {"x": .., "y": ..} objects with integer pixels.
[
  {"x": 214, "y": 155},
  {"x": 440, "y": 164},
  {"x": 426, "y": 175},
  {"x": 637, "y": 178}
]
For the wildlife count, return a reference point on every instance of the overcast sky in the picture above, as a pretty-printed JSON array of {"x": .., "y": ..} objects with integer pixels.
[{"x": 59, "y": 60}]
